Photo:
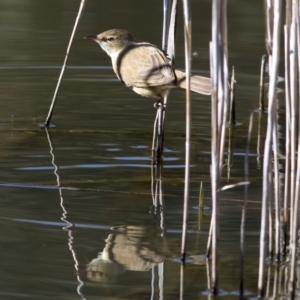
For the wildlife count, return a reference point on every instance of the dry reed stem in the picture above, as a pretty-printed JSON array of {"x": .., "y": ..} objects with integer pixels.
[
  {"x": 172, "y": 32},
  {"x": 273, "y": 42},
  {"x": 48, "y": 119},
  {"x": 294, "y": 100},
  {"x": 188, "y": 55},
  {"x": 295, "y": 174},
  {"x": 232, "y": 98},
  {"x": 244, "y": 208},
  {"x": 166, "y": 23},
  {"x": 168, "y": 45},
  {"x": 219, "y": 75},
  {"x": 261, "y": 104},
  {"x": 287, "y": 140}
]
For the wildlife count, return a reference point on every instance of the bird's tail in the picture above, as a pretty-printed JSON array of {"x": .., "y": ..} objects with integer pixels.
[{"x": 199, "y": 84}]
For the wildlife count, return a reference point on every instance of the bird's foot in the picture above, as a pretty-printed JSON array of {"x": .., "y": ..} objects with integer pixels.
[{"x": 158, "y": 105}]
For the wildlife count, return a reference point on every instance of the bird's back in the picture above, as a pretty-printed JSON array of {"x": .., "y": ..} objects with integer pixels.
[{"x": 143, "y": 65}]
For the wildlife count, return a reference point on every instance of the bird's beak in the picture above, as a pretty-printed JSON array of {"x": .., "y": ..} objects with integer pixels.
[{"x": 91, "y": 37}]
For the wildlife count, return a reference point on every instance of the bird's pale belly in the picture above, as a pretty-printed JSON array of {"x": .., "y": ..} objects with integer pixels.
[{"x": 157, "y": 92}]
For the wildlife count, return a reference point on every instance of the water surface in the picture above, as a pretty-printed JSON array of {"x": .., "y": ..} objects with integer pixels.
[{"x": 76, "y": 210}]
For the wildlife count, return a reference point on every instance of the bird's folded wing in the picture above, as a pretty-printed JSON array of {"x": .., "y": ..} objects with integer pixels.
[{"x": 144, "y": 65}]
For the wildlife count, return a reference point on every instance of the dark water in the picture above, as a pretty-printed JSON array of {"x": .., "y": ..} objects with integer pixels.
[{"x": 76, "y": 210}]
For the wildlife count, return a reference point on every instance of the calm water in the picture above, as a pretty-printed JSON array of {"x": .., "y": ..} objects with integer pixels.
[{"x": 76, "y": 210}]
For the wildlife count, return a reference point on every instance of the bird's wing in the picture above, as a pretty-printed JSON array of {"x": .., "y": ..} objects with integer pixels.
[{"x": 144, "y": 65}]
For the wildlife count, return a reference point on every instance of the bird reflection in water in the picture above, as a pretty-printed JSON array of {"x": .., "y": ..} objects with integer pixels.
[{"x": 129, "y": 248}]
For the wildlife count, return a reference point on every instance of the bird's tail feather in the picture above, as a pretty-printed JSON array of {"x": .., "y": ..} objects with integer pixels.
[{"x": 199, "y": 84}]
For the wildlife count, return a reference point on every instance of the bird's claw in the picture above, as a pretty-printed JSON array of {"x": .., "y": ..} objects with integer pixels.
[{"x": 158, "y": 105}]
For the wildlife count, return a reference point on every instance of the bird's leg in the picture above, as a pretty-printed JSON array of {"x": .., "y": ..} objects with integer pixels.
[
  {"x": 159, "y": 149},
  {"x": 161, "y": 105},
  {"x": 159, "y": 124},
  {"x": 156, "y": 129},
  {"x": 164, "y": 111},
  {"x": 154, "y": 141}
]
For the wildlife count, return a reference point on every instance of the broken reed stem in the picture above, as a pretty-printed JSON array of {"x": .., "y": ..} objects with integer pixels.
[
  {"x": 261, "y": 104},
  {"x": 232, "y": 98}
]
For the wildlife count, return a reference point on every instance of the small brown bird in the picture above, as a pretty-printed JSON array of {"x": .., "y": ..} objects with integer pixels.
[{"x": 143, "y": 67}]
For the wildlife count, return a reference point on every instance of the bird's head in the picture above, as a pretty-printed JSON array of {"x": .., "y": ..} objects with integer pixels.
[{"x": 113, "y": 41}]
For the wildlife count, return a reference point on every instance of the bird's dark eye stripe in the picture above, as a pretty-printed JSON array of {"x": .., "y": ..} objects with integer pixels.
[{"x": 110, "y": 39}]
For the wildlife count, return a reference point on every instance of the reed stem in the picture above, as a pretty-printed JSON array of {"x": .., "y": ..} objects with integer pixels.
[{"x": 48, "y": 119}]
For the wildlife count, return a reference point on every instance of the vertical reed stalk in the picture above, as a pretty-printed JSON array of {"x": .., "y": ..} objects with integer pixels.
[
  {"x": 287, "y": 187},
  {"x": 259, "y": 140},
  {"x": 230, "y": 150},
  {"x": 273, "y": 44},
  {"x": 219, "y": 75},
  {"x": 165, "y": 35},
  {"x": 214, "y": 184},
  {"x": 270, "y": 211},
  {"x": 269, "y": 8},
  {"x": 244, "y": 208},
  {"x": 172, "y": 32},
  {"x": 188, "y": 55},
  {"x": 209, "y": 239},
  {"x": 294, "y": 236},
  {"x": 201, "y": 205},
  {"x": 181, "y": 282},
  {"x": 168, "y": 45},
  {"x": 170, "y": 49},
  {"x": 166, "y": 23},
  {"x": 224, "y": 81},
  {"x": 295, "y": 176},
  {"x": 261, "y": 104},
  {"x": 294, "y": 100},
  {"x": 268, "y": 280},
  {"x": 287, "y": 140},
  {"x": 232, "y": 98},
  {"x": 276, "y": 184}
]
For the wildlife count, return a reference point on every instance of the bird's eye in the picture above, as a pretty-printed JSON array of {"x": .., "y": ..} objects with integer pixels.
[{"x": 110, "y": 39}]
